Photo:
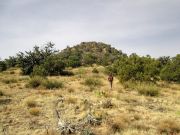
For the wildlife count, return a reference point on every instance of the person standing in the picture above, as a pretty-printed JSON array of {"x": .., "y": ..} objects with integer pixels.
[{"x": 110, "y": 79}]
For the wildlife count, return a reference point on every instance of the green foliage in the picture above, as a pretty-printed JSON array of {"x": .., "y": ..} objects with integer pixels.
[
  {"x": 11, "y": 62},
  {"x": 163, "y": 61},
  {"x": 111, "y": 70},
  {"x": 171, "y": 72},
  {"x": 54, "y": 65},
  {"x": 28, "y": 60},
  {"x": 88, "y": 59},
  {"x": 39, "y": 71},
  {"x": 137, "y": 68},
  {"x": 88, "y": 53},
  {"x": 87, "y": 132},
  {"x": 3, "y": 66}
]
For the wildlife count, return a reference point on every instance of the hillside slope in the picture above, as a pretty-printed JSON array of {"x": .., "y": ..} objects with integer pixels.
[{"x": 87, "y": 53}]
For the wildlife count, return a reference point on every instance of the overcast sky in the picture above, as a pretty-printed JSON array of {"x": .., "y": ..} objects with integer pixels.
[{"x": 140, "y": 26}]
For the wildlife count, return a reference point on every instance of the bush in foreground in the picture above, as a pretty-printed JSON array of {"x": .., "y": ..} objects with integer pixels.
[
  {"x": 143, "y": 88},
  {"x": 168, "y": 126},
  {"x": 52, "y": 84},
  {"x": 95, "y": 71},
  {"x": 34, "y": 111},
  {"x": 37, "y": 81},
  {"x": 31, "y": 103},
  {"x": 91, "y": 82},
  {"x": 148, "y": 89}
]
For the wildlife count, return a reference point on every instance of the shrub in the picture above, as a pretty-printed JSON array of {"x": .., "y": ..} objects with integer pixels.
[
  {"x": 92, "y": 82},
  {"x": 95, "y": 71},
  {"x": 54, "y": 65},
  {"x": 171, "y": 72},
  {"x": 144, "y": 88},
  {"x": 35, "y": 81},
  {"x": 52, "y": 84},
  {"x": 34, "y": 111},
  {"x": 39, "y": 71},
  {"x": 12, "y": 72},
  {"x": 107, "y": 104},
  {"x": 137, "y": 68},
  {"x": 31, "y": 103},
  {"x": 1, "y": 93},
  {"x": 28, "y": 60},
  {"x": 168, "y": 126},
  {"x": 148, "y": 89},
  {"x": 87, "y": 132},
  {"x": 67, "y": 73},
  {"x": 3, "y": 66},
  {"x": 118, "y": 123}
]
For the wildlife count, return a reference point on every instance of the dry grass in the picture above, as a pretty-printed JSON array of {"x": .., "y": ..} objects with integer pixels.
[
  {"x": 147, "y": 89},
  {"x": 118, "y": 123},
  {"x": 71, "y": 100},
  {"x": 169, "y": 126},
  {"x": 131, "y": 114},
  {"x": 34, "y": 111},
  {"x": 9, "y": 81},
  {"x": 31, "y": 103},
  {"x": 93, "y": 82}
]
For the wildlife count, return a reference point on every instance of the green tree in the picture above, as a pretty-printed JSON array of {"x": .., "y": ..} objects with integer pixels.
[
  {"x": 3, "y": 66},
  {"x": 54, "y": 65},
  {"x": 11, "y": 62},
  {"x": 171, "y": 72},
  {"x": 28, "y": 60},
  {"x": 137, "y": 68}
]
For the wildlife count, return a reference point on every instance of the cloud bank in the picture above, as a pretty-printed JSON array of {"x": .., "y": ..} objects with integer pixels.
[{"x": 140, "y": 26}]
